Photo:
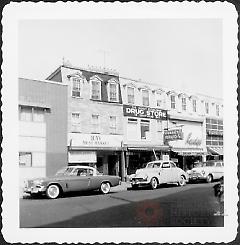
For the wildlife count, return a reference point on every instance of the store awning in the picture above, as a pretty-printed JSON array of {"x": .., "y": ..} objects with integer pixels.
[
  {"x": 189, "y": 151},
  {"x": 215, "y": 150},
  {"x": 147, "y": 148}
]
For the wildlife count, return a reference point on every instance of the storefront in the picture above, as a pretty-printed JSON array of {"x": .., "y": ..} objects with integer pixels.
[
  {"x": 186, "y": 139},
  {"x": 100, "y": 151}
]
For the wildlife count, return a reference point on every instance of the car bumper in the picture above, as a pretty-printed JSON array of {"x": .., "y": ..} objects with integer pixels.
[
  {"x": 35, "y": 189},
  {"x": 197, "y": 176},
  {"x": 136, "y": 182}
]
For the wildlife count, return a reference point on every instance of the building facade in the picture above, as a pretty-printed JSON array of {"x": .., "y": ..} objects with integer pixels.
[
  {"x": 42, "y": 128},
  {"x": 95, "y": 122}
]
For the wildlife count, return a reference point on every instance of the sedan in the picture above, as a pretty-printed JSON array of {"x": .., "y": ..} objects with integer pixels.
[{"x": 71, "y": 178}]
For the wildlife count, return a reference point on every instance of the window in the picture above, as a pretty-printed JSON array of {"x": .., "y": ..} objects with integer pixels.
[
  {"x": 173, "y": 165},
  {"x": 184, "y": 104},
  {"x": 95, "y": 124},
  {"x": 96, "y": 90},
  {"x": 113, "y": 92},
  {"x": 144, "y": 129},
  {"x": 25, "y": 159},
  {"x": 38, "y": 115},
  {"x": 217, "y": 110},
  {"x": 113, "y": 124},
  {"x": 165, "y": 165},
  {"x": 76, "y": 87},
  {"x": 159, "y": 126},
  {"x": 76, "y": 122},
  {"x": 130, "y": 95},
  {"x": 173, "y": 102},
  {"x": 194, "y": 103},
  {"x": 206, "y": 107},
  {"x": 145, "y": 97},
  {"x": 26, "y": 114}
]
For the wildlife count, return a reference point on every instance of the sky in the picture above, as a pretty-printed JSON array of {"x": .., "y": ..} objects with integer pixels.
[{"x": 181, "y": 54}]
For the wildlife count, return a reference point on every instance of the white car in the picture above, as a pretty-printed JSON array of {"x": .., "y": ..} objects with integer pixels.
[
  {"x": 158, "y": 172},
  {"x": 208, "y": 171}
]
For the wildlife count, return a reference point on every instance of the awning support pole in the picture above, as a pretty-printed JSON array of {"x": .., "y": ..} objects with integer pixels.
[{"x": 156, "y": 158}]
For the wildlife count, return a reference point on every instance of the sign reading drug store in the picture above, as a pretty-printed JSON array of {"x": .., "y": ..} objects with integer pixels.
[{"x": 144, "y": 112}]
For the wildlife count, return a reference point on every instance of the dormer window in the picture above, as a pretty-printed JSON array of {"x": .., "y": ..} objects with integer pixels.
[
  {"x": 184, "y": 104},
  {"x": 145, "y": 97},
  {"x": 76, "y": 87},
  {"x": 207, "y": 107},
  {"x": 194, "y": 103},
  {"x": 96, "y": 88},
  {"x": 113, "y": 93},
  {"x": 173, "y": 101}
]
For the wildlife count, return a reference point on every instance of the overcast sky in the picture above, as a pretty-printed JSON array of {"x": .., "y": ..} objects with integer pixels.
[{"x": 181, "y": 54}]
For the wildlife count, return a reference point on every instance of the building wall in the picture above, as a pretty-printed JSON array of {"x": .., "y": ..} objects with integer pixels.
[{"x": 46, "y": 140}]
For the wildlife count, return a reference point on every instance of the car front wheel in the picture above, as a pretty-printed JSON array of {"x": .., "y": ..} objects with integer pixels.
[
  {"x": 105, "y": 187},
  {"x": 53, "y": 191},
  {"x": 182, "y": 181},
  {"x": 154, "y": 183},
  {"x": 209, "y": 178}
]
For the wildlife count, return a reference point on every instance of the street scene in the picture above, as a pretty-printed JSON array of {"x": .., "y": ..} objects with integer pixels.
[{"x": 120, "y": 129}]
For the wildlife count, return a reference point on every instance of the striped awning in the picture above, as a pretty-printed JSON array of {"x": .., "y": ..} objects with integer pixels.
[
  {"x": 215, "y": 150},
  {"x": 189, "y": 151}
]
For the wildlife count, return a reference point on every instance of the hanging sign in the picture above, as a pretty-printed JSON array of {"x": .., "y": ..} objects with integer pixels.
[{"x": 173, "y": 134}]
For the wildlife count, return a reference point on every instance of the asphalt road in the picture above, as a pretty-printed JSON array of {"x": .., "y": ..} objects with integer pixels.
[{"x": 191, "y": 205}]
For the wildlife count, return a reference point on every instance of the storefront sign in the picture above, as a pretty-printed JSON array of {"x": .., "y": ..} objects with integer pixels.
[
  {"x": 82, "y": 157},
  {"x": 144, "y": 112},
  {"x": 215, "y": 132},
  {"x": 193, "y": 141},
  {"x": 94, "y": 140},
  {"x": 173, "y": 134}
]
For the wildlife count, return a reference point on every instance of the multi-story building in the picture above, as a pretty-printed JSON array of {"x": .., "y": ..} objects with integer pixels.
[
  {"x": 42, "y": 128},
  {"x": 95, "y": 123},
  {"x": 214, "y": 126},
  {"x": 161, "y": 121}
]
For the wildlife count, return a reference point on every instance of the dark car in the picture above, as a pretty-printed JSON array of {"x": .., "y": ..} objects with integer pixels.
[{"x": 71, "y": 178}]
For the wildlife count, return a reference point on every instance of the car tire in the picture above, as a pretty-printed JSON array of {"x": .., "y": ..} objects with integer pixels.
[
  {"x": 53, "y": 191},
  {"x": 182, "y": 181},
  {"x": 154, "y": 183},
  {"x": 209, "y": 178},
  {"x": 105, "y": 187}
]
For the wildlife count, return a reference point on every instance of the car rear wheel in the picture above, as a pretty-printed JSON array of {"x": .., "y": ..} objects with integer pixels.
[
  {"x": 53, "y": 191},
  {"x": 182, "y": 181},
  {"x": 209, "y": 178},
  {"x": 154, "y": 183},
  {"x": 105, "y": 187}
]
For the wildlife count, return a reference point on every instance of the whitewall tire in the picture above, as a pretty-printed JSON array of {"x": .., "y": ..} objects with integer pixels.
[
  {"x": 53, "y": 191},
  {"x": 182, "y": 181},
  {"x": 154, "y": 183},
  {"x": 105, "y": 187}
]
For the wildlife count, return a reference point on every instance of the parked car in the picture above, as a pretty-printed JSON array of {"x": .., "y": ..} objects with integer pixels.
[
  {"x": 158, "y": 172},
  {"x": 71, "y": 178},
  {"x": 208, "y": 171}
]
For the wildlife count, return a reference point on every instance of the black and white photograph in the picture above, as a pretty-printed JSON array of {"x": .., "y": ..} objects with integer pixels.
[{"x": 119, "y": 122}]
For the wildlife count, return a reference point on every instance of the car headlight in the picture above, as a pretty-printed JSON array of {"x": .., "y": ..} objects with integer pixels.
[
  {"x": 38, "y": 182},
  {"x": 189, "y": 171},
  {"x": 203, "y": 172}
]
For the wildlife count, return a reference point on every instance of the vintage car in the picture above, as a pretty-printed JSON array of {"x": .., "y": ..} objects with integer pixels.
[
  {"x": 71, "y": 178},
  {"x": 158, "y": 172},
  {"x": 208, "y": 171}
]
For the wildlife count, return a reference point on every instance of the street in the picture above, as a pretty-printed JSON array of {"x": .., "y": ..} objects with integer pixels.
[{"x": 191, "y": 205}]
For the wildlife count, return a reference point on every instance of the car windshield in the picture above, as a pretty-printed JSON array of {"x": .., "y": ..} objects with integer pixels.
[
  {"x": 153, "y": 165},
  {"x": 198, "y": 164},
  {"x": 209, "y": 164},
  {"x": 64, "y": 171}
]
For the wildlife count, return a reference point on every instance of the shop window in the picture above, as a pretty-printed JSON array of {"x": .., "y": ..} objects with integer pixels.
[
  {"x": 26, "y": 114},
  {"x": 113, "y": 124},
  {"x": 113, "y": 91},
  {"x": 96, "y": 90},
  {"x": 194, "y": 103},
  {"x": 25, "y": 159},
  {"x": 145, "y": 97},
  {"x": 207, "y": 108},
  {"x": 76, "y": 87},
  {"x": 76, "y": 122},
  {"x": 38, "y": 115},
  {"x": 173, "y": 101},
  {"x": 144, "y": 129},
  {"x": 95, "y": 124},
  {"x": 217, "y": 110},
  {"x": 184, "y": 104},
  {"x": 130, "y": 95}
]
